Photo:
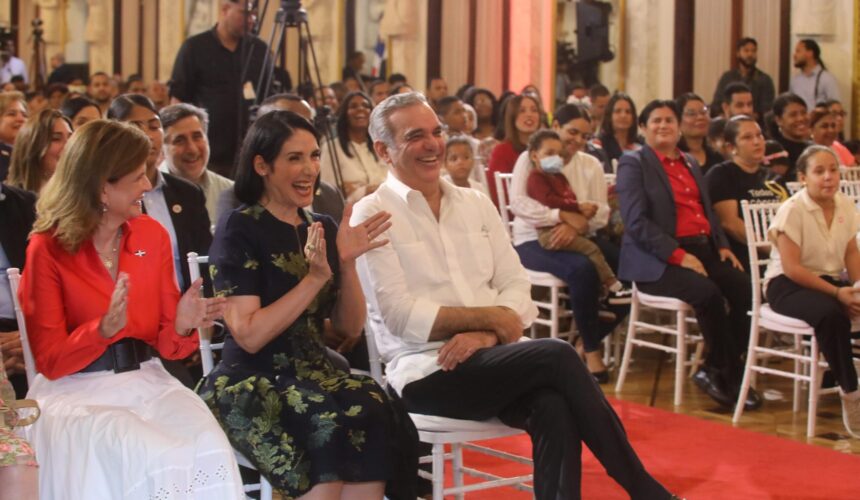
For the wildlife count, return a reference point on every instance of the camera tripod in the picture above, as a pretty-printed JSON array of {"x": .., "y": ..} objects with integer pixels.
[{"x": 291, "y": 15}]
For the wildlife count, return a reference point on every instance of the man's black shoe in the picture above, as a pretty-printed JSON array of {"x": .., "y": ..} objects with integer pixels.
[
  {"x": 753, "y": 401},
  {"x": 709, "y": 382}
]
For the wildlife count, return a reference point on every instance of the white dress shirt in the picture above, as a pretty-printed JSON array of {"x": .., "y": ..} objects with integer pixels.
[
  {"x": 464, "y": 259},
  {"x": 156, "y": 207},
  {"x": 585, "y": 175}
]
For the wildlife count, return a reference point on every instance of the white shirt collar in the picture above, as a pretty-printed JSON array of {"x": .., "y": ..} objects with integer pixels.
[{"x": 404, "y": 192}]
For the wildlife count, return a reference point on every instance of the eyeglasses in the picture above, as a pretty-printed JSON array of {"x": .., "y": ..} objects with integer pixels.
[
  {"x": 692, "y": 113},
  {"x": 840, "y": 114}
]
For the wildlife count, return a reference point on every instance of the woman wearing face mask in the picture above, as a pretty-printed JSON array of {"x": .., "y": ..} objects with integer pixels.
[
  {"x": 741, "y": 178},
  {"x": 674, "y": 246},
  {"x": 360, "y": 170},
  {"x": 814, "y": 242}
]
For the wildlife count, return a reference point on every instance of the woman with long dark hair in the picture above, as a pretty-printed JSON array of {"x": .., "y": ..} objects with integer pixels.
[
  {"x": 618, "y": 130},
  {"x": 485, "y": 105},
  {"x": 360, "y": 170}
]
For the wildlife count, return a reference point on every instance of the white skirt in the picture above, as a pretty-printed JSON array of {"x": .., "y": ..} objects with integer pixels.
[{"x": 134, "y": 435}]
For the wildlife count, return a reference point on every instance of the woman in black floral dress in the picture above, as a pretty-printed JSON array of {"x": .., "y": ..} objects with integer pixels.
[{"x": 308, "y": 427}]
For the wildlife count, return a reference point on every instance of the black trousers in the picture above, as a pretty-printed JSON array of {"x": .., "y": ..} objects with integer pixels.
[
  {"x": 725, "y": 332},
  {"x": 540, "y": 386},
  {"x": 826, "y": 315}
]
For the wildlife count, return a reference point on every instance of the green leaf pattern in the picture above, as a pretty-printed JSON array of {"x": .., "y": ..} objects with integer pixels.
[{"x": 294, "y": 407}]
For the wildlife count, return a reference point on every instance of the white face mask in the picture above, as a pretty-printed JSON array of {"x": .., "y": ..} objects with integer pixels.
[{"x": 552, "y": 164}]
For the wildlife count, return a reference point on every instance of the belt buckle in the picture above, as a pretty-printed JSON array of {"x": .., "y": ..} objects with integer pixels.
[{"x": 124, "y": 357}]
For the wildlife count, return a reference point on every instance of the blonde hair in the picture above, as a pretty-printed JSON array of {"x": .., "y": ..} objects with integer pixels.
[
  {"x": 9, "y": 97},
  {"x": 25, "y": 169},
  {"x": 99, "y": 152}
]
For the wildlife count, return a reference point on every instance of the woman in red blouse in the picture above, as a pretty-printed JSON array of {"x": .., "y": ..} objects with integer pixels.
[
  {"x": 522, "y": 118},
  {"x": 99, "y": 295}
]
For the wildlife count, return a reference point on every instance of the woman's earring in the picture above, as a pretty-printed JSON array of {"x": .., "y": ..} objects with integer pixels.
[{"x": 104, "y": 207}]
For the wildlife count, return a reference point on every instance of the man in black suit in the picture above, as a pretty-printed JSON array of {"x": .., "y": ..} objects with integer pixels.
[
  {"x": 17, "y": 214},
  {"x": 179, "y": 205}
]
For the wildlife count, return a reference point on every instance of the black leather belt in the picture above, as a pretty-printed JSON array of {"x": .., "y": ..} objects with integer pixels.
[
  {"x": 121, "y": 356},
  {"x": 695, "y": 240}
]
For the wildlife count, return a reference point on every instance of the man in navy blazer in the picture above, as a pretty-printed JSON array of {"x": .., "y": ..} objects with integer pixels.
[{"x": 674, "y": 246}]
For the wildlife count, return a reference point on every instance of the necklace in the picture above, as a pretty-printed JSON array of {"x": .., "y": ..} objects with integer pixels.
[{"x": 108, "y": 260}]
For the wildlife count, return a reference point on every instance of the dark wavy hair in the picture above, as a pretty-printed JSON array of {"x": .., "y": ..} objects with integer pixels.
[
  {"x": 783, "y": 100},
  {"x": 122, "y": 106},
  {"x": 473, "y": 92},
  {"x": 568, "y": 112},
  {"x": 655, "y": 105},
  {"x": 266, "y": 137},
  {"x": 606, "y": 125},
  {"x": 342, "y": 123},
  {"x": 71, "y": 107},
  {"x": 682, "y": 100}
]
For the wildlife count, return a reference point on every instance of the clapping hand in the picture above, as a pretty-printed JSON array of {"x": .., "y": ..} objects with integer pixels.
[
  {"x": 195, "y": 311},
  {"x": 353, "y": 241},
  {"x": 116, "y": 316},
  {"x": 315, "y": 252}
]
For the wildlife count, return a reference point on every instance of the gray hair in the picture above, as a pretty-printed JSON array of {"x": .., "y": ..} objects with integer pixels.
[
  {"x": 171, "y": 114},
  {"x": 380, "y": 127}
]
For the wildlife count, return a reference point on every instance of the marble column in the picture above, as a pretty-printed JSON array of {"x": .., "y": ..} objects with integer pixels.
[
  {"x": 99, "y": 34},
  {"x": 404, "y": 26}
]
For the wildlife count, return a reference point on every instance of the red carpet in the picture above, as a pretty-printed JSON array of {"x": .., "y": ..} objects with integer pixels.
[{"x": 698, "y": 459}]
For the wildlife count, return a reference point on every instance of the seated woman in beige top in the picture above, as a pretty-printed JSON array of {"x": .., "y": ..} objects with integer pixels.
[
  {"x": 814, "y": 235},
  {"x": 358, "y": 172}
]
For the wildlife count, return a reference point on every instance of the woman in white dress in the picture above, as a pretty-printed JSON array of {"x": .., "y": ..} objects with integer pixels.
[
  {"x": 360, "y": 170},
  {"x": 99, "y": 295}
]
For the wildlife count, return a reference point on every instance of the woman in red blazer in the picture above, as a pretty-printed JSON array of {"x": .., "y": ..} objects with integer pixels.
[{"x": 99, "y": 295}]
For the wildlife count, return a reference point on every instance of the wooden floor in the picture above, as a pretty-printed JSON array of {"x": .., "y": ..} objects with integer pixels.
[{"x": 775, "y": 417}]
